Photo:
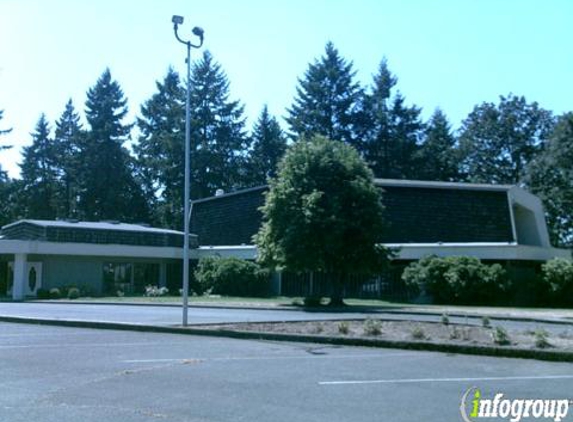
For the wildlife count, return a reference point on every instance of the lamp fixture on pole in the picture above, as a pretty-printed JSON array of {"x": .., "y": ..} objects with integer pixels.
[{"x": 198, "y": 32}]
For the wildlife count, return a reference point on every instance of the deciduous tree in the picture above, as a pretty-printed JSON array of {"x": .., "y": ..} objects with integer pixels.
[
  {"x": 550, "y": 176},
  {"x": 499, "y": 141},
  {"x": 323, "y": 213}
]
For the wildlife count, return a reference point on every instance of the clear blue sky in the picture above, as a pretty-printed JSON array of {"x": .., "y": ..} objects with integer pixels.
[{"x": 451, "y": 54}]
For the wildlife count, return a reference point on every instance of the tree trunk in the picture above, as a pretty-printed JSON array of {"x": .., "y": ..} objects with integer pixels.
[{"x": 336, "y": 298}]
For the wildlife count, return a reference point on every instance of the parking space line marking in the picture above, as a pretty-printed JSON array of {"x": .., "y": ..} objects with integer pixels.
[
  {"x": 424, "y": 380},
  {"x": 63, "y": 345},
  {"x": 241, "y": 358}
]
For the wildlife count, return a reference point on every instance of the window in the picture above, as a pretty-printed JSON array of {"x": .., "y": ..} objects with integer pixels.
[{"x": 128, "y": 277}]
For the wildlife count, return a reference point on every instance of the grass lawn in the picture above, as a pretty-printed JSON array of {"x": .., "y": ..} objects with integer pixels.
[
  {"x": 226, "y": 300},
  {"x": 358, "y": 304}
]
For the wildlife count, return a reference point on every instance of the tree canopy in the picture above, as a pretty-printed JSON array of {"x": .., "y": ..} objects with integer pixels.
[
  {"x": 323, "y": 213},
  {"x": 499, "y": 141},
  {"x": 550, "y": 176},
  {"x": 326, "y": 99}
]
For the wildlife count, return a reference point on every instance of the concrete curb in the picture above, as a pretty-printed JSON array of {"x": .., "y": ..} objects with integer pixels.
[{"x": 494, "y": 351}]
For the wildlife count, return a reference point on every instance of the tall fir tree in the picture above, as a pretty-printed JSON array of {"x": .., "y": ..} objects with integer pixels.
[
  {"x": 327, "y": 100},
  {"x": 68, "y": 139},
  {"x": 550, "y": 176},
  {"x": 218, "y": 137},
  {"x": 498, "y": 142},
  {"x": 438, "y": 155},
  {"x": 108, "y": 188},
  {"x": 268, "y": 145},
  {"x": 161, "y": 150},
  {"x": 39, "y": 184},
  {"x": 393, "y": 130}
]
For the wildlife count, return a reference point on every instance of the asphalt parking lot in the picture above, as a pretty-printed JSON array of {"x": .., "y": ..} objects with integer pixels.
[{"x": 69, "y": 374}]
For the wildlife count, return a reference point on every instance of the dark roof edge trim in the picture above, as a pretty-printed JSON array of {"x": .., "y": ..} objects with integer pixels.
[
  {"x": 226, "y": 195},
  {"x": 390, "y": 182},
  {"x": 441, "y": 185}
]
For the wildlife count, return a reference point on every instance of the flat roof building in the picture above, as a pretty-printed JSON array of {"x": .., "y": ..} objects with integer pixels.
[{"x": 101, "y": 257}]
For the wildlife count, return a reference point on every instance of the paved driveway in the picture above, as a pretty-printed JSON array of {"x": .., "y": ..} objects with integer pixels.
[
  {"x": 158, "y": 315},
  {"x": 170, "y": 315},
  {"x": 58, "y": 374}
]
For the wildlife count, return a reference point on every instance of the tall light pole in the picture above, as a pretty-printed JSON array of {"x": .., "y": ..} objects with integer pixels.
[{"x": 178, "y": 20}]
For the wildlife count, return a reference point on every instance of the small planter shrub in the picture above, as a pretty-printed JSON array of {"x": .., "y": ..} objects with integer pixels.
[
  {"x": 343, "y": 327},
  {"x": 500, "y": 336},
  {"x": 557, "y": 275},
  {"x": 232, "y": 277},
  {"x": 541, "y": 339},
  {"x": 418, "y": 333},
  {"x": 73, "y": 293},
  {"x": 372, "y": 327},
  {"x": 485, "y": 322},
  {"x": 55, "y": 293},
  {"x": 458, "y": 280}
]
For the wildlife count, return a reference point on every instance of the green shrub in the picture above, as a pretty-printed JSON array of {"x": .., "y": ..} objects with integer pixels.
[
  {"x": 55, "y": 293},
  {"x": 372, "y": 327},
  {"x": 43, "y": 294},
  {"x": 232, "y": 277},
  {"x": 541, "y": 339},
  {"x": 418, "y": 333},
  {"x": 500, "y": 336},
  {"x": 557, "y": 275},
  {"x": 458, "y": 280},
  {"x": 445, "y": 319},
  {"x": 73, "y": 293},
  {"x": 485, "y": 321},
  {"x": 343, "y": 327}
]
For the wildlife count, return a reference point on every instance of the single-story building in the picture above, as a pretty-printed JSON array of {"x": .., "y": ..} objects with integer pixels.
[
  {"x": 100, "y": 257},
  {"x": 495, "y": 223}
]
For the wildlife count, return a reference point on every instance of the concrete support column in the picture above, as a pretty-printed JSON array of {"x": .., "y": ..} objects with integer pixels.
[
  {"x": 20, "y": 279},
  {"x": 162, "y": 282}
]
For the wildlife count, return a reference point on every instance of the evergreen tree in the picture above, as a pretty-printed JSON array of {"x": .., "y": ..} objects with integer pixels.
[
  {"x": 499, "y": 141},
  {"x": 39, "y": 185},
  {"x": 392, "y": 129},
  {"x": 108, "y": 188},
  {"x": 268, "y": 145},
  {"x": 550, "y": 176},
  {"x": 327, "y": 99},
  {"x": 67, "y": 144},
  {"x": 438, "y": 155},
  {"x": 218, "y": 139},
  {"x": 160, "y": 150}
]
